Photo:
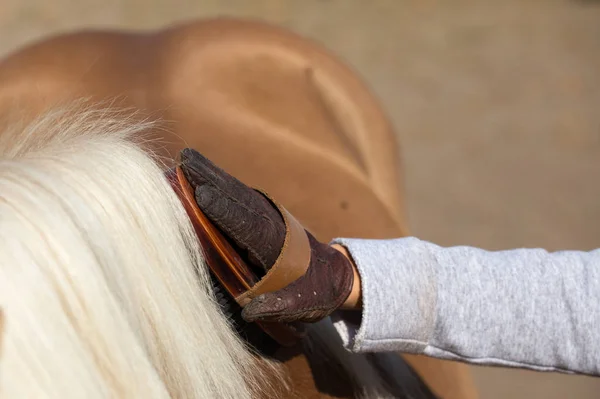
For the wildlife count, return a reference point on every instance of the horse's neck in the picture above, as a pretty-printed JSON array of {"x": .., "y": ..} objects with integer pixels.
[{"x": 185, "y": 75}]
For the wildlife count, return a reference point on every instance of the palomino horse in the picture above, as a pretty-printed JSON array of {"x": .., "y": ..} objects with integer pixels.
[
  {"x": 104, "y": 292},
  {"x": 275, "y": 110}
]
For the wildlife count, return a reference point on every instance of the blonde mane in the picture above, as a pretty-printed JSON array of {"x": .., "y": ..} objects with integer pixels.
[{"x": 103, "y": 290}]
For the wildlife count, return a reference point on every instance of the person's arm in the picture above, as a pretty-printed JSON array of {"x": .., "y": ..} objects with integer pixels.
[
  {"x": 524, "y": 308},
  {"x": 521, "y": 308},
  {"x": 354, "y": 300}
]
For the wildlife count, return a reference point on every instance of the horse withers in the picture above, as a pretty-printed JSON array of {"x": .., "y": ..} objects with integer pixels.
[{"x": 272, "y": 108}]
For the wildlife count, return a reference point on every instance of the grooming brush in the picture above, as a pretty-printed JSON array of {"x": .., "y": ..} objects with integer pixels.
[{"x": 234, "y": 282}]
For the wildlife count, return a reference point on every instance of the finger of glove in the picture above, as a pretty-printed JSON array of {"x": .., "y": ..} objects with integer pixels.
[
  {"x": 250, "y": 229},
  {"x": 200, "y": 171},
  {"x": 254, "y": 224}
]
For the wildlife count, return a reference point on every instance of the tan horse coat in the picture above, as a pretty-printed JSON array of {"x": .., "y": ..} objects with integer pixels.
[{"x": 273, "y": 109}]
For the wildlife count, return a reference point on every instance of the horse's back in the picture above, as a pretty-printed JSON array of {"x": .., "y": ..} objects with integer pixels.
[{"x": 274, "y": 109}]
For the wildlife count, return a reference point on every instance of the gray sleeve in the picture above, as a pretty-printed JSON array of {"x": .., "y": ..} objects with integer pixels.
[{"x": 521, "y": 308}]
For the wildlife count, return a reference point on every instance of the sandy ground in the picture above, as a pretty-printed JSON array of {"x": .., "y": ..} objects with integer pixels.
[{"x": 496, "y": 104}]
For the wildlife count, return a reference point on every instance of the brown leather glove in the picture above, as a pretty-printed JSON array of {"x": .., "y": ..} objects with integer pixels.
[{"x": 253, "y": 223}]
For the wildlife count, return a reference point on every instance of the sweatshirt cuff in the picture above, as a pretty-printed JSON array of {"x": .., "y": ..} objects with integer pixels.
[{"x": 399, "y": 304}]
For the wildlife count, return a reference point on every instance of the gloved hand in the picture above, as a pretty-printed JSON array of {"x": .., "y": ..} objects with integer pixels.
[{"x": 255, "y": 225}]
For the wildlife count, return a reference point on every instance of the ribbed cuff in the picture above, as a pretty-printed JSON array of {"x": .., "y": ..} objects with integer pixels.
[{"x": 399, "y": 296}]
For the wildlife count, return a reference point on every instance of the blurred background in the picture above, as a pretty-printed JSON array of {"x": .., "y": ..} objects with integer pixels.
[{"x": 496, "y": 105}]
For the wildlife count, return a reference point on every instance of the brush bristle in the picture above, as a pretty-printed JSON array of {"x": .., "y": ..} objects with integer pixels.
[{"x": 249, "y": 332}]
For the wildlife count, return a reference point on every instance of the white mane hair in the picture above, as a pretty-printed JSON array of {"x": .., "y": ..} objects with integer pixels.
[{"x": 103, "y": 290}]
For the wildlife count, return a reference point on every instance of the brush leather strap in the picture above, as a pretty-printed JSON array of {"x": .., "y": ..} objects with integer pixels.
[{"x": 292, "y": 263}]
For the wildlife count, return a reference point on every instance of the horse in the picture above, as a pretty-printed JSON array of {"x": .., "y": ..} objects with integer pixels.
[{"x": 275, "y": 110}]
